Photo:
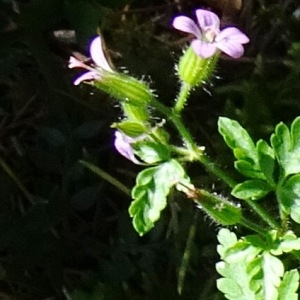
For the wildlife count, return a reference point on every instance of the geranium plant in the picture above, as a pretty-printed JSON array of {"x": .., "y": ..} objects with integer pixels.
[{"x": 252, "y": 266}]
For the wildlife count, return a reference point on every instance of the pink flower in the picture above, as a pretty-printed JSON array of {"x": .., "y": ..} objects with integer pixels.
[
  {"x": 209, "y": 37},
  {"x": 99, "y": 67},
  {"x": 123, "y": 144}
]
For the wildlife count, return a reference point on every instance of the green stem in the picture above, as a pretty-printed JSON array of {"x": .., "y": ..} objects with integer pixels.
[
  {"x": 216, "y": 170},
  {"x": 195, "y": 152},
  {"x": 252, "y": 226},
  {"x": 211, "y": 167},
  {"x": 106, "y": 177},
  {"x": 187, "y": 254},
  {"x": 182, "y": 97},
  {"x": 263, "y": 214}
]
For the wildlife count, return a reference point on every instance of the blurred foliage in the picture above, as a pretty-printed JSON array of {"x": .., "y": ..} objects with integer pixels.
[{"x": 65, "y": 233}]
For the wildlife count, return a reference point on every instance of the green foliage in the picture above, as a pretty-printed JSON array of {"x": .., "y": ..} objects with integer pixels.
[
  {"x": 253, "y": 189},
  {"x": 65, "y": 232},
  {"x": 219, "y": 209},
  {"x": 289, "y": 197},
  {"x": 238, "y": 139},
  {"x": 256, "y": 162},
  {"x": 150, "y": 193},
  {"x": 251, "y": 269},
  {"x": 286, "y": 145},
  {"x": 152, "y": 152},
  {"x": 289, "y": 286}
]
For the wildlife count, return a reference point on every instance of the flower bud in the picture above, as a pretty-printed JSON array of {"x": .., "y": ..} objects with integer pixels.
[
  {"x": 135, "y": 113},
  {"x": 219, "y": 209},
  {"x": 125, "y": 88},
  {"x": 131, "y": 128},
  {"x": 194, "y": 69}
]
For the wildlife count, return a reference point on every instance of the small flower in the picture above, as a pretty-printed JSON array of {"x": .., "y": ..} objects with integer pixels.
[
  {"x": 120, "y": 86},
  {"x": 100, "y": 63},
  {"x": 209, "y": 38},
  {"x": 123, "y": 144}
]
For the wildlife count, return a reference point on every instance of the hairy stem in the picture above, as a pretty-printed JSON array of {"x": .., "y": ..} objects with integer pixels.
[
  {"x": 263, "y": 214},
  {"x": 182, "y": 97},
  {"x": 198, "y": 155}
]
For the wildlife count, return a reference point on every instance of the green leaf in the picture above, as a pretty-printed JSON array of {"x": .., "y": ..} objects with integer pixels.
[
  {"x": 152, "y": 152},
  {"x": 237, "y": 268},
  {"x": 273, "y": 270},
  {"x": 246, "y": 168},
  {"x": 288, "y": 243},
  {"x": 253, "y": 189},
  {"x": 287, "y": 146},
  {"x": 289, "y": 196},
  {"x": 226, "y": 239},
  {"x": 289, "y": 286},
  {"x": 266, "y": 159},
  {"x": 150, "y": 193},
  {"x": 238, "y": 139}
]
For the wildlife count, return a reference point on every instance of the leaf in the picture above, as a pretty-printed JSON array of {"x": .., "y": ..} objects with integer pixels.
[
  {"x": 226, "y": 239},
  {"x": 152, "y": 152},
  {"x": 266, "y": 158},
  {"x": 238, "y": 139},
  {"x": 290, "y": 245},
  {"x": 150, "y": 193},
  {"x": 289, "y": 286},
  {"x": 272, "y": 272},
  {"x": 253, "y": 189},
  {"x": 289, "y": 197},
  {"x": 244, "y": 150},
  {"x": 287, "y": 146},
  {"x": 246, "y": 168},
  {"x": 237, "y": 283}
]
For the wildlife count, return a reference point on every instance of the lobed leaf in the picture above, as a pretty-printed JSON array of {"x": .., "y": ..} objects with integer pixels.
[
  {"x": 253, "y": 189},
  {"x": 237, "y": 282},
  {"x": 152, "y": 152},
  {"x": 273, "y": 270},
  {"x": 286, "y": 145},
  {"x": 289, "y": 286},
  {"x": 238, "y": 139},
  {"x": 266, "y": 158},
  {"x": 150, "y": 193},
  {"x": 289, "y": 196}
]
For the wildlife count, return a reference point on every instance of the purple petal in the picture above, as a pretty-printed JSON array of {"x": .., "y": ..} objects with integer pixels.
[
  {"x": 207, "y": 19},
  {"x": 186, "y": 24},
  {"x": 203, "y": 49},
  {"x": 91, "y": 75},
  {"x": 123, "y": 145},
  {"x": 97, "y": 54},
  {"x": 75, "y": 63},
  {"x": 232, "y": 34},
  {"x": 232, "y": 49}
]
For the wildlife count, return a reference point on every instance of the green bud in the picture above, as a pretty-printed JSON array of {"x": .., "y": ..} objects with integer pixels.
[
  {"x": 135, "y": 113},
  {"x": 131, "y": 128},
  {"x": 125, "y": 88},
  {"x": 219, "y": 209},
  {"x": 193, "y": 69}
]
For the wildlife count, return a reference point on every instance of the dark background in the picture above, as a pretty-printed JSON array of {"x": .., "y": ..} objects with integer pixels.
[{"x": 65, "y": 233}]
